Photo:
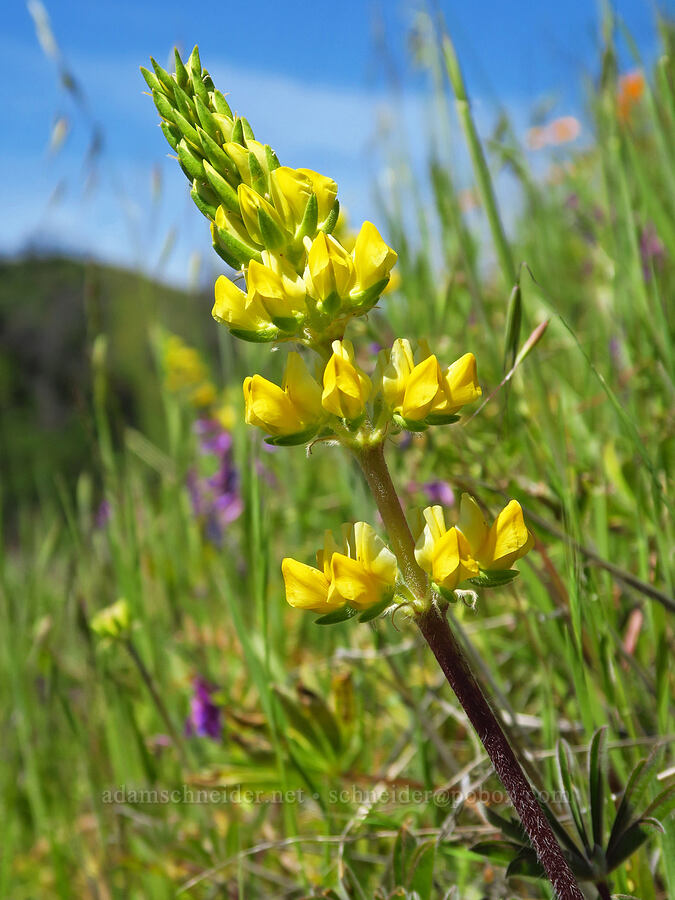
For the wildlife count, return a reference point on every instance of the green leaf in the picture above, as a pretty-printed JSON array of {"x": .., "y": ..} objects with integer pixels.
[
  {"x": 565, "y": 765},
  {"x": 596, "y": 784},
  {"x": 638, "y": 782},
  {"x": 510, "y": 827},
  {"x": 338, "y": 615},
  {"x": 525, "y": 865},
  {"x": 421, "y": 873},
  {"x": 500, "y": 852},
  {"x": 402, "y": 854}
]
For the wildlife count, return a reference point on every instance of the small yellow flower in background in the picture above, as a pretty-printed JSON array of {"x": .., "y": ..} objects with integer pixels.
[
  {"x": 501, "y": 545},
  {"x": 113, "y": 621},
  {"x": 330, "y": 269},
  {"x": 444, "y": 553},
  {"x": 366, "y": 575},
  {"x": 345, "y": 387},
  {"x": 417, "y": 390},
  {"x": 373, "y": 258},
  {"x": 183, "y": 365},
  {"x": 204, "y": 395},
  {"x": 292, "y": 409}
]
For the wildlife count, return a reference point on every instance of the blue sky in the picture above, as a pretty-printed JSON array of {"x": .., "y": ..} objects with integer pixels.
[{"x": 314, "y": 79}]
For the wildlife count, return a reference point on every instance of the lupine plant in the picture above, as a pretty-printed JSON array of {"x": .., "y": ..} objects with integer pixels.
[{"x": 297, "y": 284}]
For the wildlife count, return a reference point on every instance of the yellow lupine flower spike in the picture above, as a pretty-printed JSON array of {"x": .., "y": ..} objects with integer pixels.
[
  {"x": 345, "y": 387},
  {"x": 444, "y": 553},
  {"x": 501, "y": 545}
]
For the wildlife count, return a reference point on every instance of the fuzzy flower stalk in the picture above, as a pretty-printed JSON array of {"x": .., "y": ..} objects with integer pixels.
[{"x": 297, "y": 283}]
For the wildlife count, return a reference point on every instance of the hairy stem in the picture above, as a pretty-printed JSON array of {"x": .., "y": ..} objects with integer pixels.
[{"x": 461, "y": 679}]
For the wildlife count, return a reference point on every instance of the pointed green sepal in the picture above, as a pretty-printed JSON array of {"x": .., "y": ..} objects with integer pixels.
[
  {"x": 365, "y": 300},
  {"x": 258, "y": 176},
  {"x": 206, "y": 120},
  {"x": 408, "y": 424},
  {"x": 330, "y": 221},
  {"x": 238, "y": 133},
  {"x": 225, "y": 192},
  {"x": 205, "y": 208},
  {"x": 188, "y": 132},
  {"x": 287, "y": 324},
  {"x": 330, "y": 304},
  {"x": 439, "y": 419},
  {"x": 494, "y": 578},
  {"x": 208, "y": 82},
  {"x": 181, "y": 72},
  {"x": 199, "y": 87},
  {"x": 194, "y": 63},
  {"x": 375, "y": 610},
  {"x": 272, "y": 159},
  {"x": 164, "y": 107},
  {"x": 171, "y": 133},
  {"x": 152, "y": 80},
  {"x": 185, "y": 104},
  {"x": 446, "y": 594},
  {"x": 338, "y": 615},
  {"x": 190, "y": 162},
  {"x": 291, "y": 440},
  {"x": 273, "y": 236},
  {"x": 221, "y": 104},
  {"x": 217, "y": 156},
  {"x": 235, "y": 248},
  {"x": 167, "y": 81},
  {"x": 255, "y": 337},
  {"x": 248, "y": 131},
  {"x": 310, "y": 218}
]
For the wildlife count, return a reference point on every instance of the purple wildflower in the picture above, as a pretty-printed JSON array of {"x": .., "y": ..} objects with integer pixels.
[
  {"x": 439, "y": 492},
  {"x": 205, "y": 716},
  {"x": 215, "y": 499},
  {"x": 102, "y": 514},
  {"x": 652, "y": 250}
]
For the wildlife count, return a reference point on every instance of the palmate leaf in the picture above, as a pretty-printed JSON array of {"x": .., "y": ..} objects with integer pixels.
[{"x": 638, "y": 782}]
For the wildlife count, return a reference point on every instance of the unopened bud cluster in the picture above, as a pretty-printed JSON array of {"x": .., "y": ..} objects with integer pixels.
[{"x": 298, "y": 282}]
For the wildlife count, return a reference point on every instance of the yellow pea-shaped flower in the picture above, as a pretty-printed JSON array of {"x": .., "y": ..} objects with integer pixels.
[
  {"x": 444, "y": 552},
  {"x": 498, "y": 546},
  {"x": 373, "y": 258},
  {"x": 345, "y": 387}
]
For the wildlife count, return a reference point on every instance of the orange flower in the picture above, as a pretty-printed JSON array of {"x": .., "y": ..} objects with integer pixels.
[
  {"x": 559, "y": 131},
  {"x": 630, "y": 91}
]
